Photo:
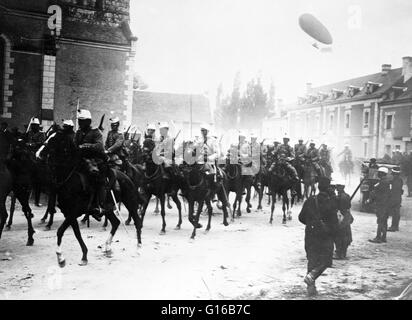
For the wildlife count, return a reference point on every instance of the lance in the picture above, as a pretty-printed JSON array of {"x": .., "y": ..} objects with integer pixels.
[
  {"x": 101, "y": 128},
  {"x": 28, "y": 127},
  {"x": 77, "y": 114}
]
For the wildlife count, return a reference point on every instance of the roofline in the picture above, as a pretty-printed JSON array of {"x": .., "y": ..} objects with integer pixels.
[{"x": 167, "y": 92}]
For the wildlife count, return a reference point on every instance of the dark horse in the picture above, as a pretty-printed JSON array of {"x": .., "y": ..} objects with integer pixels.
[
  {"x": 237, "y": 183},
  {"x": 155, "y": 184},
  {"x": 279, "y": 184},
  {"x": 74, "y": 192},
  {"x": 15, "y": 175},
  {"x": 201, "y": 188}
]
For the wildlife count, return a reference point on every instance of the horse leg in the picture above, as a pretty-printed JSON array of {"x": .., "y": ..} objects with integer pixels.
[
  {"x": 269, "y": 198},
  {"x": 197, "y": 218},
  {"x": 78, "y": 235},
  {"x": 239, "y": 197},
  {"x": 260, "y": 195},
  {"x": 169, "y": 206},
  {"x": 272, "y": 208},
  {"x": 210, "y": 214},
  {"x": 145, "y": 205},
  {"x": 12, "y": 209},
  {"x": 3, "y": 213},
  {"x": 23, "y": 196},
  {"x": 248, "y": 192},
  {"x": 179, "y": 208},
  {"x": 115, "y": 222},
  {"x": 51, "y": 209},
  {"x": 163, "y": 213},
  {"x": 60, "y": 232},
  {"x": 192, "y": 220},
  {"x": 157, "y": 206},
  {"x": 105, "y": 223}
]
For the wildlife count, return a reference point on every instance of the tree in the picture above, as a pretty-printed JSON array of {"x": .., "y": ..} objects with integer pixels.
[{"x": 139, "y": 83}]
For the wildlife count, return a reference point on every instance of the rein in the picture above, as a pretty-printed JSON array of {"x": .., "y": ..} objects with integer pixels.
[{"x": 153, "y": 176}]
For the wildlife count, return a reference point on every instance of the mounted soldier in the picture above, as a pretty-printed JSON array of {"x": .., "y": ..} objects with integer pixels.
[
  {"x": 256, "y": 157},
  {"x": 283, "y": 156},
  {"x": 35, "y": 138},
  {"x": 312, "y": 155},
  {"x": 89, "y": 142},
  {"x": 347, "y": 158},
  {"x": 150, "y": 132},
  {"x": 300, "y": 150},
  {"x": 324, "y": 155},
  {"x": 207, "y": 151},
  {"x": 163, "y": 152},
  {"x": 114, "y": 143}
]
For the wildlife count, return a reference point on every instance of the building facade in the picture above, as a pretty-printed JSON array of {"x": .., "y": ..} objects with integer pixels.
[
  {"x": 184, "y": 112},
  {"x": 56, "y": 55},
  {"x": 371, "y": 113}
]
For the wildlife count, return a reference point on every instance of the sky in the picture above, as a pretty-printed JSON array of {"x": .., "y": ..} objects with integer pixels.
[{"x": 191, "y": 46}]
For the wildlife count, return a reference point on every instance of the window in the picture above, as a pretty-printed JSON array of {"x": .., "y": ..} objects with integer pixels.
[
  {"x": 347, "y": 120},
  {"x": 389, "y": 120},
  {"x": 365, "y": 150},
  {"x": 366, "y": 119},
  {"x": 331, "y": 119}
]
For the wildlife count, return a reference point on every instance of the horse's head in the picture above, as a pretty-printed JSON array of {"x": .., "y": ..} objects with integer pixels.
[{"x": 91, "y": 166}]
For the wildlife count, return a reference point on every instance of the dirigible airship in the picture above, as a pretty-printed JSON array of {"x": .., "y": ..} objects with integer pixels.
[{"x": 314, "y": 28}]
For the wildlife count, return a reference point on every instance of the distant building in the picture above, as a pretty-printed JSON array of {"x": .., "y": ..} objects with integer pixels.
[
  {"x": 179, "y": 110},
  {"x": 372, "y": 113},
  {"x": 44, "y": 72}
]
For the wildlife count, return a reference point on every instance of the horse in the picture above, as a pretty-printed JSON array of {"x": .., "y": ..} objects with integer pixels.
[
  {"x": 15, "y": 176},
  {"x": 346, "y": 169},
  {"x": 261, "y": 181},
  {"x": 155, "y": 184},
  {"x": 279, "y": 184},
  {"x": 235, "y": 184},
  {"x": 309, "y": 179},
  {"x": 72, "y": 175}
]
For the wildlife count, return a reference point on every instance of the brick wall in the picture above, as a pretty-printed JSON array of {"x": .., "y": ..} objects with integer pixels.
[{"x": 95, "y": 76}]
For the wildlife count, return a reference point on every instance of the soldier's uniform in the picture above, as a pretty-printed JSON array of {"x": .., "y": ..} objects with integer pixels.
[
  {"x": 395, "y": 200},
  {"x": 207, "y": 152},
  {"x": 284, "y": 153},
  {"x": 163, "y": 155},
  {"x": 324, "y": 155},
  {"x": 312, "y": 155},
  {"x": 256, "y": 157},
  {"x": 90, "y": 142},
  {"x": 343, "y": 236},
  {"x": 319, "y": 214},
  {"x": 300, "y": 151},
  {"x": 380, "y": 196},
  {"x": 114, "y": 142},
  {"x": 35, "y": 140},
  {"x": 245, "y": 158}
]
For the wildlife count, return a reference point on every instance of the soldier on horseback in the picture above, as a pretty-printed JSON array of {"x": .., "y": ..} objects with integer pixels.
[
  {"x": 150, "y": 132},
  {"x": 35, "y": 138},
  {"x": 114, "y": 143},
  {"x": 325, "y": 157},
  {"x": 164, "y": 152},
  {"x": 90, "y": 143},
  {"x": 312, "y": 155},
  {"x": 347, "y": 156},
  {"x": 300, "y": 149},
  {"x": 283, "y": 156},
  {"x": 207, "y": 151}
]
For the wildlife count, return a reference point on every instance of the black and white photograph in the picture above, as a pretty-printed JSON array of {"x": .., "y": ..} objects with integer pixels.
[{"x": 218, "y": 151}]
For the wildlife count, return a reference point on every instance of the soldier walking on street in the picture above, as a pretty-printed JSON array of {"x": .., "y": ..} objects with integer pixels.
[
  {"x": 380, "y": 197},
  {"x": 319, "y": 214},
  {"x": 395, "y": 199},
  {"x": 343, "y": 237}
]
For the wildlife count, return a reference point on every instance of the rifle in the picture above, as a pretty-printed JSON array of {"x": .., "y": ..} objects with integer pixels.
[
  {"x": 356, "y": 190},
  {"x": 101, "y": 128}
]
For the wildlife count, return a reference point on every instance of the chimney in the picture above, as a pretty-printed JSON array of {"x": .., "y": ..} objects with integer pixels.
[
  {"x": 386, "y": 68},
  {"x": 308, "y": 87},
  {"x": 407, "y": 68}
]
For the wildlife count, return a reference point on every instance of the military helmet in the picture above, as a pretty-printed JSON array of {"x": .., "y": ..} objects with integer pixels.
[
  {"x": 383, "y": 170},
  {"x": 114, "y": 120},
  {"x": 35, "y": 121},
  {"x": 84, "y": 115},
  {"x": 68, "y": 123}
]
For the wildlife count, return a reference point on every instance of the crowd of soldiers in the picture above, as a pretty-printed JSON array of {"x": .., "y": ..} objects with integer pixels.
[{"x": 326, "y": 215}]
